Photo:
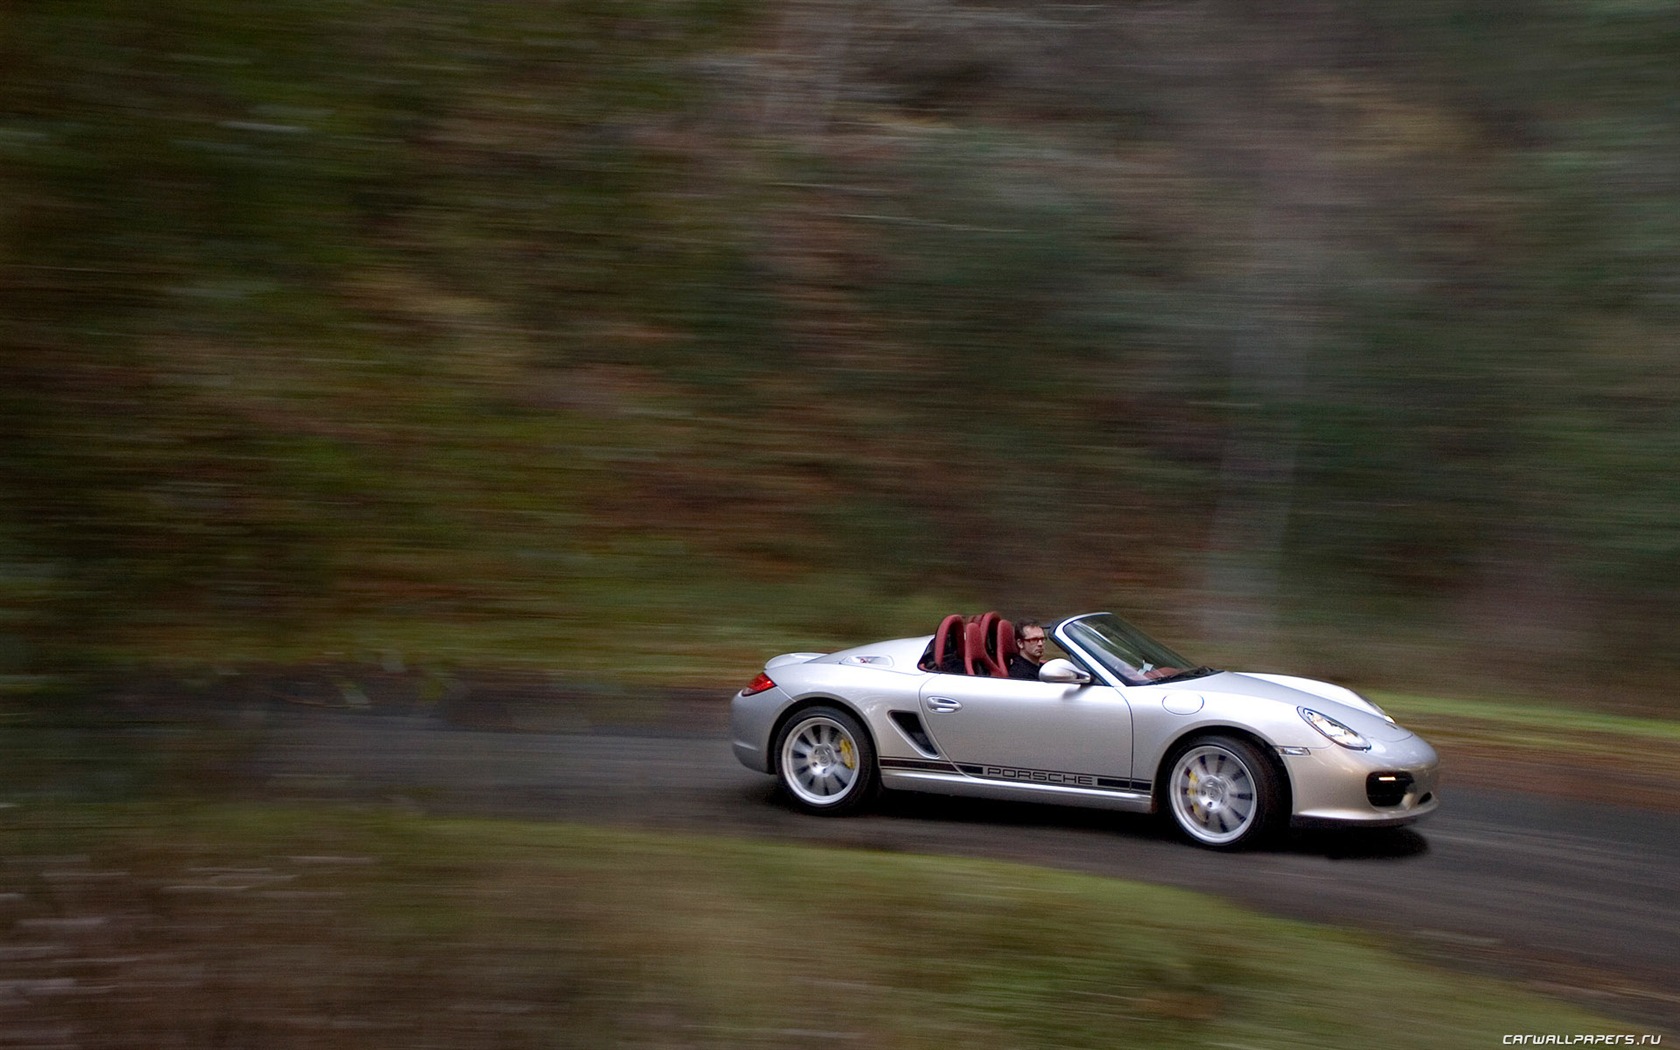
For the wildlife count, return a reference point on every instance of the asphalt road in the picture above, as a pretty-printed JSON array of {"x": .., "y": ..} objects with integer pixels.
[{"x": 1576, "y": 899}]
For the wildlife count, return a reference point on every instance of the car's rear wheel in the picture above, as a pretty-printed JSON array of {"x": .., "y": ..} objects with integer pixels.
[
  {"x": 1223, "y": 793},
  {"x": 826, "y": 761}
]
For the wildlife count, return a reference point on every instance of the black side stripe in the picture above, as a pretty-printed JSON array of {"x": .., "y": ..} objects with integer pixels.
[
  {"x": 1013, "y": 775},
  {"x": 921, "y": 765}
]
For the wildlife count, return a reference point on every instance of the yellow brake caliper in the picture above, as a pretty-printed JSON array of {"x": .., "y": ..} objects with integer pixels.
[
  {"x": 847, "y": 755},
  {"x": 1195, "y": 796}
]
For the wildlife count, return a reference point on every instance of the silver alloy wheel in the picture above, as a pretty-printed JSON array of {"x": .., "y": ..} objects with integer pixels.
[
  {"x": 821, "y": 762},
  {"x": 1216, "y": 798}
]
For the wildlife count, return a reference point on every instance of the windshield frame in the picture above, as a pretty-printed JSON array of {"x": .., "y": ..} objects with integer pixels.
[{"x": 1120, "y": 651}]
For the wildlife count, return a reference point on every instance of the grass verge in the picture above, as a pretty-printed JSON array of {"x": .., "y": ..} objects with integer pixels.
[
  {"x": 1529, "y": 723},
  {"x": 1550, "y": 748},
  {"x": 259, "y": 926}
]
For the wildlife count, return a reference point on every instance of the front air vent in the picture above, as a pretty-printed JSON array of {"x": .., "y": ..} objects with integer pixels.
[
  {"x": 1387, "y": 790},
  {"x": 910, "y": 724}
]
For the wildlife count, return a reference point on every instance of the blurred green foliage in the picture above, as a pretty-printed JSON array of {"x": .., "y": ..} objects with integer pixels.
[{"x": 649, "y": 338}]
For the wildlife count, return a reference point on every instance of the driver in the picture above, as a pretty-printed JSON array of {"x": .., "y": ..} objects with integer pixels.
[{"x": 1029, "y": 637}]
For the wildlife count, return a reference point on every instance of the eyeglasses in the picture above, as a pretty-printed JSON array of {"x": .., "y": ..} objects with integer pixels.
[{"x": 1030, "y": 639}]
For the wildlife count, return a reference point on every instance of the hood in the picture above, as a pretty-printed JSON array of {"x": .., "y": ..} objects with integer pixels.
[{"x": 1340, "y": 703}]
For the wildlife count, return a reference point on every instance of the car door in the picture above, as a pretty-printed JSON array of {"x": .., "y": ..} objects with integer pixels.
[{"x": 1037, "y": 732}]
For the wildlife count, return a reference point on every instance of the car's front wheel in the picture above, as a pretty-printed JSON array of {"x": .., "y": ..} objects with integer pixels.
[
  {"x": 826, "y": 761},
  {"x": 1223, "y": 793}
]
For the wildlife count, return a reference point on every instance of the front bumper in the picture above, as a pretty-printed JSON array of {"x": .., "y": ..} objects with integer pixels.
[{"x": 1335, "y": 786}]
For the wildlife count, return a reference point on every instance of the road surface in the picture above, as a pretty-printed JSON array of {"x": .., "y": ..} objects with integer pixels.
[{"x": 1576, "y": 899}]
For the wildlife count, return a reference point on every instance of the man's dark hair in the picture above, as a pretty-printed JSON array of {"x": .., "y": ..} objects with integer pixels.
[{"x": 1024, "y": 624}]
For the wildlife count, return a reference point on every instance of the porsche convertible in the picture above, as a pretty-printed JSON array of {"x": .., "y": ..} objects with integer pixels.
[{"x": 1120, "y": 722}]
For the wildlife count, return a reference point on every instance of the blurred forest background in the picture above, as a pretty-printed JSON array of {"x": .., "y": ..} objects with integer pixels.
[{"x": 648, "y": 338}]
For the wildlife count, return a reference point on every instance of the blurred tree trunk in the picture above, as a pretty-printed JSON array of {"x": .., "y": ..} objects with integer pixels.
[
  {"x": 807, "y": 69},
  {"x": 1282, "y": 148},
  {"x": 1248, "y": 533}
]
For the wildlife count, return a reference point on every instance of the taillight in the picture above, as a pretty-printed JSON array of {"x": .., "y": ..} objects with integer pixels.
[{"x": 758, "y": 685}]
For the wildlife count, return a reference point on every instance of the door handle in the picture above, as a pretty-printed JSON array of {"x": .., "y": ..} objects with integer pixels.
[{"x": 943, "y": 703}]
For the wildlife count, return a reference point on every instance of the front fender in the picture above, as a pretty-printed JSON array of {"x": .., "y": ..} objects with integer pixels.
[{"x": 1160, "y": 721}]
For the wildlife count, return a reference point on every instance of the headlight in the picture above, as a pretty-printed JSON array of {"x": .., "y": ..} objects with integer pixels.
[{"x": 1338, "y": 733}]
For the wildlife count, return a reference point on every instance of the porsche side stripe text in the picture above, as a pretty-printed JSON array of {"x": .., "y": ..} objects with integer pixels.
[
  {"x": 1012, "y": 775},
  {"x": 1052, "y": 776}
]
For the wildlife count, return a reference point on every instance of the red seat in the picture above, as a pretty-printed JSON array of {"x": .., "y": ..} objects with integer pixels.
[
  {"x": 996, "y": 662},
  {"x": 988, "y": 625},
  {"x": 974, "y": 650},
  {"x": 946, "y": 654},
  {"x": 1005, "y": 646},
  {"x": 976, "y": 645}
]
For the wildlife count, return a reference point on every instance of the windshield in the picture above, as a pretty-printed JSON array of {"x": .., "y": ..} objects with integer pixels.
[{"x": 1126, "y": 652}]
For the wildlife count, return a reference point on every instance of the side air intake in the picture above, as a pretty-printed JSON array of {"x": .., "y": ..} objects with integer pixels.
[{"x": 910, "y": 724}]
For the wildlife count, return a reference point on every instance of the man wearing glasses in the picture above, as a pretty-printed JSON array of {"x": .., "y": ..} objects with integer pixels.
[{"x": 1029, "y": 637}]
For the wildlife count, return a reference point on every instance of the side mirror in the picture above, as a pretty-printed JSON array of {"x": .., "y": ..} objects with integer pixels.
[{"x": 1062, "y": 672}]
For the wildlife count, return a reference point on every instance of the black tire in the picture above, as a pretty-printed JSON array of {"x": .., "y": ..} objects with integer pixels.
[
  {"x": 1222, "y": 793},
  {"x": 825, "y": 762}
]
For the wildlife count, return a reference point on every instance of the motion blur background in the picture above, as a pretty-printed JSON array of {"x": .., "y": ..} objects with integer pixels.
[{"x": 653, "y": 337}]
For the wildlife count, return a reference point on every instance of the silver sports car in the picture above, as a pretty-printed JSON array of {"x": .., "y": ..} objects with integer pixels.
[{"x": 1121, "y": 723}]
